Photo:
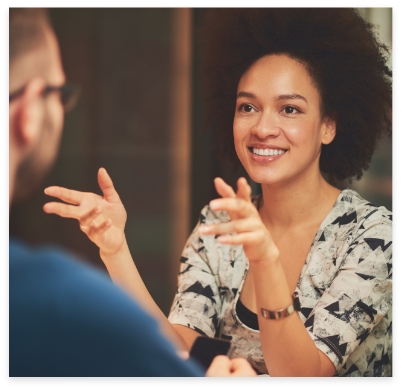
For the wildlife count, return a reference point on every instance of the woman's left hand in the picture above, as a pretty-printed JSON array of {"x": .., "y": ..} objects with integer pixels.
[{"x": 245, "y": 221}]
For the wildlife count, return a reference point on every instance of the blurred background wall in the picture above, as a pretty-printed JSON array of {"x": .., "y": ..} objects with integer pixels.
[
  {"x": 376, "y": 184},
  {"x": 140, "y": 117}
]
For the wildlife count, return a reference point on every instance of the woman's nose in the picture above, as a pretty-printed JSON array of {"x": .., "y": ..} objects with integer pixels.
[{"x": 266, "y": 126}]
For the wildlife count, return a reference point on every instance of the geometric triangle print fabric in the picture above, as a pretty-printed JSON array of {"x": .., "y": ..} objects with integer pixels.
[{"x": 345, "y": 289}]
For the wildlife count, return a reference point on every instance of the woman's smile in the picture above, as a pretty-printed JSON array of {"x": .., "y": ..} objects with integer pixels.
[
  {"x": 266, "y": 153},
  {"x": 278, "y": 127}
]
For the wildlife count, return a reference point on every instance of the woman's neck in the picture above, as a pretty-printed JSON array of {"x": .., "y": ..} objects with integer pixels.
[{"x": 298, "y": 202}]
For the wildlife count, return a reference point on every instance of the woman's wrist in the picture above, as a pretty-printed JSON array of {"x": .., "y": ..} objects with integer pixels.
[
  {"x": 271, "y": 264},
  {"x": 120, "y": 253},
  {"x": 269, "y": 258}
]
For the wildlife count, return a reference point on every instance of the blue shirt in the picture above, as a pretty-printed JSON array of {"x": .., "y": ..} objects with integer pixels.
[{"x": 67, "y": 319}]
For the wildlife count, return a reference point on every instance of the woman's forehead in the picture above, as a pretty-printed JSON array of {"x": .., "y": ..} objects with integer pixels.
[{"x": 277, "y": 73}]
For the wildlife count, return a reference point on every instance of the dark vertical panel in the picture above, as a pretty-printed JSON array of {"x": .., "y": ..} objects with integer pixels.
[
  {"x": 122, "y": 59},
  {"x": 180, "y": 135},
  {"x": 202, "y": 159},
  {"x": 204, "y": 163}
]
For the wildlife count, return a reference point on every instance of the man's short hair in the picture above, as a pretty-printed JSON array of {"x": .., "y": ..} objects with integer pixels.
[{"x": 26, "y": 31}]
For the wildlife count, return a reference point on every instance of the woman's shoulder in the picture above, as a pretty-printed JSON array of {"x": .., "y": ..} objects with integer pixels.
[
  {"x": 352, "y": 204},
  {"x": 352, "y": 216}
]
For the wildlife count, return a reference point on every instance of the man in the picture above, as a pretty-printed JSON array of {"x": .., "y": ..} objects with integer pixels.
[{"x": 66, "y": 319}]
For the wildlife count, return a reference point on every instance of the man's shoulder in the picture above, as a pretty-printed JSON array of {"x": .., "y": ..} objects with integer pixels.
[
  {"x": 61, "y": 310},
  {"x": 21, "y": 253},
  {"x": 67, "y": 319},
  {"x": 57, "y": 281},
  {"x": 49, "y": 265}
]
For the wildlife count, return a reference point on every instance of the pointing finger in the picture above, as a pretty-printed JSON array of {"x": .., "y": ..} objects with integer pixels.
[
  {"x": 68, "y": 195},
  {"x": 240, "y": 225},
  {"x": 243, "y": 189},
  {"x": 223, "y": 188},
  {"x": 246, "y": 238},
  {"x": 238, "y": 206},
  {"x": 63, "y": 210}
]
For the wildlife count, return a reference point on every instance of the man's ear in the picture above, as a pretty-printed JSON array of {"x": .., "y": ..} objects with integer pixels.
[
  {"x": 329, "y": 130},
  {"x": 30, "y": 112}
]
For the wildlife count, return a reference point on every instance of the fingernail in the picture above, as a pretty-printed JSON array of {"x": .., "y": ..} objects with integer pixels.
[
  {"x": 204, "y": 229},
  {"x": 221, "y": 239},
  {"x": 213, "y": 204}
]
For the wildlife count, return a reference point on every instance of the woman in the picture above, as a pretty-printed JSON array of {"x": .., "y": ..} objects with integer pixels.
[{"x": 311, "y": 94}]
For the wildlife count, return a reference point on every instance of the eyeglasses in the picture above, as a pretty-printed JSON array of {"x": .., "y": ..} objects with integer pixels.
[{"x": 69, "y": 94}]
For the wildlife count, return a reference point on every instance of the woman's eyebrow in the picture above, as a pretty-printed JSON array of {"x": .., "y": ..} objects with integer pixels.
[
  {"x": 246, "y": 94},
  {"x": 291, "y": 97},
  {"x": 280, "y": 97}
]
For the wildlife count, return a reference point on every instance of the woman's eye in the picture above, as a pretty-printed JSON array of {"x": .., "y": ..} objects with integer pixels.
[
  {"x": 246, "y": 108},
  {"x": 290, "y": 110}
]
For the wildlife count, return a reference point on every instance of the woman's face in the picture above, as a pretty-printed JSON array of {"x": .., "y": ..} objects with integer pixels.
[{"x": 278, "y": 128}]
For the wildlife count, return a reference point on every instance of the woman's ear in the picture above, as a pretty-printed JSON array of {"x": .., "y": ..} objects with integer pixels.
[
  {"x": 30, "y": 112},
  {"x": 329, "y": 130}
]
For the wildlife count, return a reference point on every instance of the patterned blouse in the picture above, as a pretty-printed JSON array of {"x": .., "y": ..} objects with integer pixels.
[{"x": 345, "y": 289}]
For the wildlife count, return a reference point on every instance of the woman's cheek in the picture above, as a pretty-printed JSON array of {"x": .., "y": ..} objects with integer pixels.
[{"x": 240, "y": 139}]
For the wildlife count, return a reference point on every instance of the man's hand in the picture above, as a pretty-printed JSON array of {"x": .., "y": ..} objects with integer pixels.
[
  {"x": 102, "y": 219},
  {"x": 222, "y": 366}
]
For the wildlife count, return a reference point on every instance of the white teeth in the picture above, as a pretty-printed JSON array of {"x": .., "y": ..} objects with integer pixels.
[{"x": 265, "y": 152}]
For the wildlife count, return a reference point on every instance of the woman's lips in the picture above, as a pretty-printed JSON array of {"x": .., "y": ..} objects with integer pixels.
[{"x": 266, "y": 154}]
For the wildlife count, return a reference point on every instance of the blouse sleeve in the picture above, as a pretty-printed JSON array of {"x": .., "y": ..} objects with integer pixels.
[
  {"x": 359, "y": 297},
  {"x": 197, "y": 302}
]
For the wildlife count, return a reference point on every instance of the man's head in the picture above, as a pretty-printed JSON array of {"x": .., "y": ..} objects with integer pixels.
[{"x": 36, "y": 112}]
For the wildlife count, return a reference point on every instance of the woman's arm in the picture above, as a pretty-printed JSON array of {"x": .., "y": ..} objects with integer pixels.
[
  {"x": 287, "y": 347},
  {"x": 103, "y": 220},
  {"x": 358, "y": 298}
]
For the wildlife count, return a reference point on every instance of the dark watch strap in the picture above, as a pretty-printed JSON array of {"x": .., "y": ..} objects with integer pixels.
[{"x": 295, "y": 306}]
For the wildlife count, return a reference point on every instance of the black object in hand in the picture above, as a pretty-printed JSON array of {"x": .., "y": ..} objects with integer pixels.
[{"x": 205, "y": 349}]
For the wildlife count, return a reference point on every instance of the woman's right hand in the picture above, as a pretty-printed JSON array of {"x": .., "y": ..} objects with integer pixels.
[
  {"x": 102, "y": 219},
  {"x": 222, "y": 366}
]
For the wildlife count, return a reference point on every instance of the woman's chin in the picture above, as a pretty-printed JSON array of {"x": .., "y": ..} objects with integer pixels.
[{"x": 265, "y": 179}]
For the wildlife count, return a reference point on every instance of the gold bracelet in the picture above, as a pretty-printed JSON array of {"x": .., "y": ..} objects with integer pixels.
[{"x": 295, "y": 306}]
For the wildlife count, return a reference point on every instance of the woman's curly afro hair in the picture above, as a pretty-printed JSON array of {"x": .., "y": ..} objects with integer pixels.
[{"x": 340, "y": 50}]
